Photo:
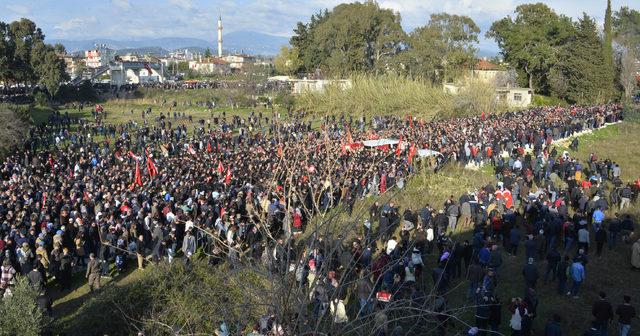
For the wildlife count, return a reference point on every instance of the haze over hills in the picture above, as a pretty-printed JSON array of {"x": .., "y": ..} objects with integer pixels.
[{"x": 234, "y": 42}]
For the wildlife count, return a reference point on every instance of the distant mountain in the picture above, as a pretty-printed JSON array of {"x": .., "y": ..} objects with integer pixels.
[
  {"x": 153, "y": 51},
  {"x": 253, "y": 43},
  {"x": 235, "y": 42}
]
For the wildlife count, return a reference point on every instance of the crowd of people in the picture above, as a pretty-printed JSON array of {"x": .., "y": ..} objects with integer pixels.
[{"x": 85, "y": 195}]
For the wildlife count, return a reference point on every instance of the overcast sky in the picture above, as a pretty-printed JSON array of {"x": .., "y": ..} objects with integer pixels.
[{"x": 139, "y": 19}]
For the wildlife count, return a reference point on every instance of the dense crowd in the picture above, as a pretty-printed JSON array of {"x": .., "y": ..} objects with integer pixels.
[{"x": 86, "y": 195}]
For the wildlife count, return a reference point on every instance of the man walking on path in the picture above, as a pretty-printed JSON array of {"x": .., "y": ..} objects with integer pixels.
[
  {"x": 93, "y": 272},
  {"x": 603, "y": 312},
  {"x": 625, "y": 313}
]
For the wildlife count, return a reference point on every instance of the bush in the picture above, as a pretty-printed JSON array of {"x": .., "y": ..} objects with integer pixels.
[
  {"x": 379, "y": 95},
  {"x": 477, "y": 97},
  {"x": 14, "y": 126},
  {"x": 539, "y": 100},
  {"x": 20, "y": 312},
  {"x": 41, "y": 99},
  {"x": 168, "y": 298}
]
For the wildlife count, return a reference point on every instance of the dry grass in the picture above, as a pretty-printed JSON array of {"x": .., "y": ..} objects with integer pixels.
[{"x": 383, "y": 95}]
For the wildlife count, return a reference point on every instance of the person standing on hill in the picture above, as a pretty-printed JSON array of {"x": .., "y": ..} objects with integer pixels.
[
  {"x": 93, "y": 272},
  {"x": 625, "y": 313},
  {"x": 635, "y": 255},
  {"x": 453, "y": 211},
  {"x": 577, "y": 277},
  {"x": 603, "y": 312}
]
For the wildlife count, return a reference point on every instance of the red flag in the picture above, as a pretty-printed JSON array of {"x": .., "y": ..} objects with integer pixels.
[
  {"x": 279, "y": 150},
  {"x": 411, "y": 121},
  {"x": 383, "y": 183},
  {"x": 227, "y": 178},
  {"x": 151, "y": 167},
  {"x": 483, "y": 116},
  {"x": 412, "y": 152},
  {"x": 398, "y": 147},
  {"x": 220, "y": 168},
  {"x": 223, "y": 211},
  {"x": 137, "y": 178},
  {"x": 209, "y": 150}
]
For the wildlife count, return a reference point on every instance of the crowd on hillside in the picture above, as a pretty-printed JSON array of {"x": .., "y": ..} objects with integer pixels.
[{"x": 86, "y": 196}]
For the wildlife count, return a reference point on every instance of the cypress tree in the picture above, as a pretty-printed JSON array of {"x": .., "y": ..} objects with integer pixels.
[
  {"x": 607, "y": 50},
  {"x": 582, "y": 64}
]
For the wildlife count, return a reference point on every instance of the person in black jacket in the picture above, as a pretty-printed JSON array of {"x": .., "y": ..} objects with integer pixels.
[
  {"x": 561, "y": 273},
  {"x": 552, "y": 328},
  {"x": 530, "y": 273},
  {"x": 603, "y": 312},
  {"x": 625, "y": 313},
  {"x": 495, "y": 313},
  {"x": 601, "y": 238}
]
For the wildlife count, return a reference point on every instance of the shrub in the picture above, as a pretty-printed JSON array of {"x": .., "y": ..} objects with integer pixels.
[
  {"x": 379, "y": 95},
  {"x": 41, "y": 99},
  {"x": 539, "y": 100},
  {"x": 20, "y": 312}
]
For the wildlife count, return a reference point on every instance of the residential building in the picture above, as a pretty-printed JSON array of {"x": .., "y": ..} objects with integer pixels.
[
  {"x": 99, "y": 57},
  {"x": 239, "y": 61},
  {"x": 211, "y": 66}
]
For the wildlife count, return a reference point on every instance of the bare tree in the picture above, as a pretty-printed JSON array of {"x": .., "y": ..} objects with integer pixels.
[{"x": 628, "y": 72}]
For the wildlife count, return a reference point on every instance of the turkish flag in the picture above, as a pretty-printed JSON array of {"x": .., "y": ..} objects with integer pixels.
[
  {"x": 399, "y": 148},
  {"x": 209, "y": 150},
  {"x": 412, "y": 152},
  {"x": 220, "y": 167},
  {"x": 383, "y": 184},
  {"x": 227, "y": 178},
  {"x": 137, "y": 178},
  {"x": 151, "y": 167},
  {"x": 483, "y": 116}
]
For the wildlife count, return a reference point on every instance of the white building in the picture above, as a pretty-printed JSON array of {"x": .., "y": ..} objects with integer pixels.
[
  {"x": 239, "y": 61},
  {"x": 317, "y": 85},
  {"x": 100, "y": 56},
  {"x": 211, "y": 66}
]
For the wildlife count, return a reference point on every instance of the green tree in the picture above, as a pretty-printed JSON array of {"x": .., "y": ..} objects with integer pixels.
[
  {"x": 20, "y": 312},
  {"x": 531, "y": 41},
  {"x": 7, "y": 47},
  {"x": 626, "y": 31},
  {"x": 351, "y": 38},
  {"x": 288, "y": 61},
  {"x": 442, "y": 49},
  {"x": 207, "y": 53},
  {"x": 626, "y": 28},
  {"x": 183, "y": 67},
  {"x": 607, "y": 51},
  {"x": 581, "y": 63},
  {"x": 59, "y": 48},
  {"x": 80, "y": 69},
  {"x": 309, "y": 53},
  {"x": 48, "y": 68},
  {"x": 25, "y": 35}
]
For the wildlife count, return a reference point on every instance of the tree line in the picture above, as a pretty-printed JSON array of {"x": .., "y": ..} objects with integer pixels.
[
  {"x": 26, "y": 59},
  {"x": 551, "y": 53}
]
